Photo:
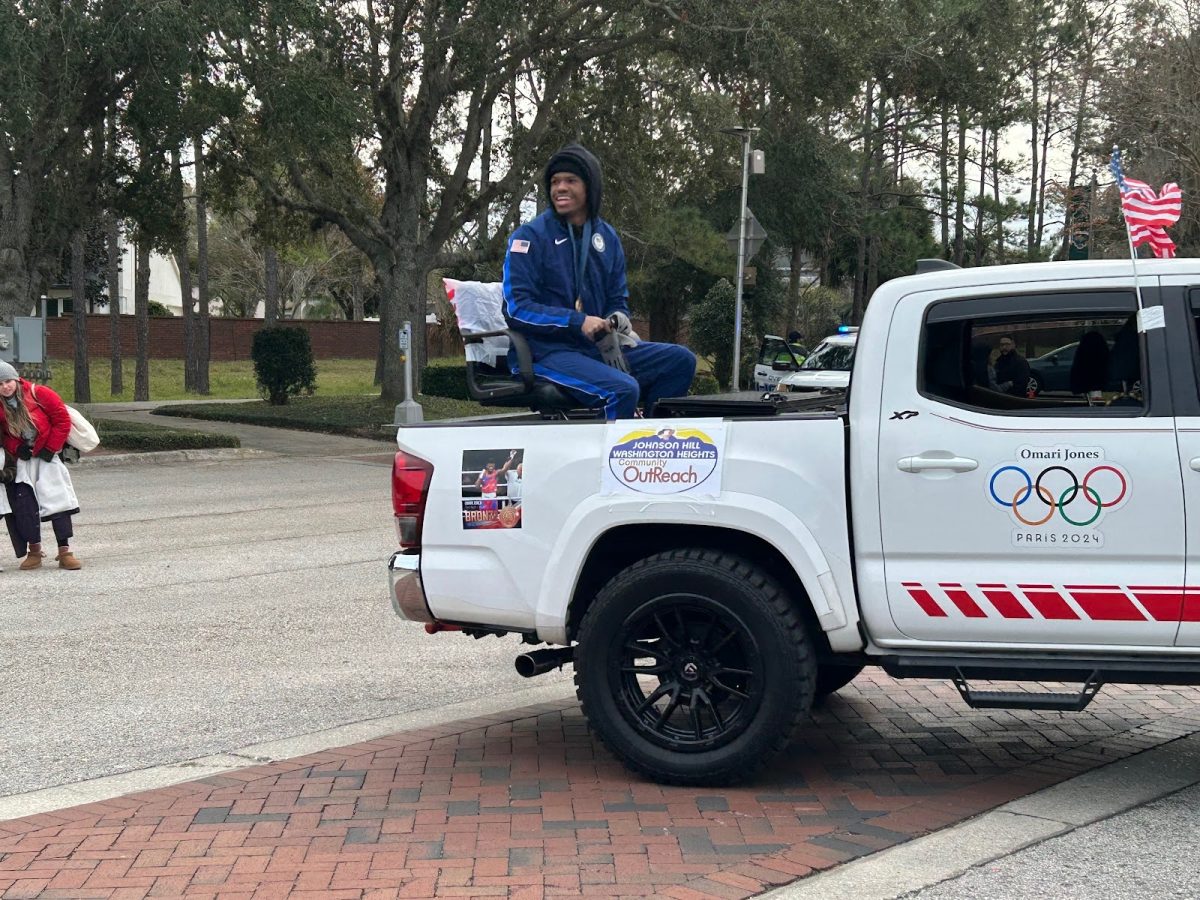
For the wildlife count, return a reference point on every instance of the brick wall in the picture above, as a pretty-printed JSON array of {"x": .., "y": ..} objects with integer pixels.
[{"x": 229, "y": 339}]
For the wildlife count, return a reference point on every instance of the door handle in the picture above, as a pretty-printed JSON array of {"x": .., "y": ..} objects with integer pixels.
[
  {"x": 1194, "y": 465},
  {"x": 932, "y": 463}
]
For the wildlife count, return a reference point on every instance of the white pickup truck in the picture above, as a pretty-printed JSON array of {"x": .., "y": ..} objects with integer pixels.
[{"x": 715, "y": 570}]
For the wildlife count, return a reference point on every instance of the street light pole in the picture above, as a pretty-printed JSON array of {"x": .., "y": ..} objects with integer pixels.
[{"x": 745, "y": 134}]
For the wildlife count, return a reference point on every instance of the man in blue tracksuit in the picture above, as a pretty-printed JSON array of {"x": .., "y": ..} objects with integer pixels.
[{"x": 564, "y": 276}]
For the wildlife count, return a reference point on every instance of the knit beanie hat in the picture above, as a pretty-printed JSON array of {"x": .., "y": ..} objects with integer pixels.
[
  {"x": 562, "y": 163},
  {"x": 578, "y": 160},
  {"x": 7, "y": 371}
]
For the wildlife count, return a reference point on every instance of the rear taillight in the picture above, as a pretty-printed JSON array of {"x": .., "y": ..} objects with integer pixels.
[{"x": 411, "y": 476}]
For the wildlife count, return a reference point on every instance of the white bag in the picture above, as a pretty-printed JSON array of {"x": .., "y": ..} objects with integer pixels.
[
  {"x": 51, "y": 484},
  {"x": 83, "y": 436},
  {"x": 479, "y": 306}
]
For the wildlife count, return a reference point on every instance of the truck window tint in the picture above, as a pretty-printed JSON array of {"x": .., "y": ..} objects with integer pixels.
[{"x": 1078, "y": 363}]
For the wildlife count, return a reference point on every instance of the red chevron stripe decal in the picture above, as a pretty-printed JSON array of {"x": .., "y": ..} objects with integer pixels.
[
  {"x": 925, "y": 601},
  {"x": 1099, "y": 602}
]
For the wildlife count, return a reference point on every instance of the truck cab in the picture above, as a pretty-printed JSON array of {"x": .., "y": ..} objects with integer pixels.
[{"x": 1053, "y": 523}]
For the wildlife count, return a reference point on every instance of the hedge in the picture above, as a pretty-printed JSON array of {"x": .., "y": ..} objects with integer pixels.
[
  {"x": 445, "y": 381},
  {"x": 356, "y": 416},
  {"x": 139, "y": 438}
]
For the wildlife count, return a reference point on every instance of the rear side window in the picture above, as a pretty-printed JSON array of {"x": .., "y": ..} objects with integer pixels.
[{"x": 1013, "y": 355}]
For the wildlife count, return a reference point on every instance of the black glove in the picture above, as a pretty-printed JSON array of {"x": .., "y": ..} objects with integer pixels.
[
  {"x": 46, "y": 454},
  {"x": 7, "y": 476},
  {"x": 24, "y": 452}
]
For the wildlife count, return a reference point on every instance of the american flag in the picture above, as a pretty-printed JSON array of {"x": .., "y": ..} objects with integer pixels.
[{"x": 1146, "y": 213}]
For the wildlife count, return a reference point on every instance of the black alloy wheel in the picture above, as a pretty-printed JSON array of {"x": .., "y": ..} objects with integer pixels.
[
  {"x": 694, "y": 667},
  {"x": 688, "y": 672}
]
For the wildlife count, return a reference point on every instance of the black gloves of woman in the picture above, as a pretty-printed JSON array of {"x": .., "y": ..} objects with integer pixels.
[{"x": 26, "y": 452}]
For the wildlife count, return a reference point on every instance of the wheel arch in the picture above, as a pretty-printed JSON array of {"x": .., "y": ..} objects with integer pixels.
[{"x": 623, "y": 545}]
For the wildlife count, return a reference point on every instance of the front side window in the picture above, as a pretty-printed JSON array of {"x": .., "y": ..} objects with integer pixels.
[{"x": 1076, "y": 361}]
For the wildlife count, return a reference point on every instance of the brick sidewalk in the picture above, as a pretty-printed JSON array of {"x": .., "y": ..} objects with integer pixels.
[{"x": 528, "y": 804}]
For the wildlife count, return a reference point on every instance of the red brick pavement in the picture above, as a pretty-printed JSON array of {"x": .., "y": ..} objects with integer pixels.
[{"x": 527, "y": 804}]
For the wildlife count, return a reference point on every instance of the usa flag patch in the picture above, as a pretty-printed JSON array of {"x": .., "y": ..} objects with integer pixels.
[{"x": 520, "y": 247}]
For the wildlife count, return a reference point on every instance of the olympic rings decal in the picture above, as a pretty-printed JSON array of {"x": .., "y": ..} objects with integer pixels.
[{"x": 1033, "y": 487}]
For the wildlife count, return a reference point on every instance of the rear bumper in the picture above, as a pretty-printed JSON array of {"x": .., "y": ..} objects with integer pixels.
[{"x": 408, "y": 593}]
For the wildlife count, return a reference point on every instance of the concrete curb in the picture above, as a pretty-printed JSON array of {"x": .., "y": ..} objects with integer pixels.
[
  {"x": 166, "y": 457},
  {"x": 31, "y": 803},
  {"x": 1087, "y": 798}
]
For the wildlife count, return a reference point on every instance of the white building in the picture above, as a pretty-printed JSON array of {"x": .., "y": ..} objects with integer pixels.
[{"x": 165, "y": 286}]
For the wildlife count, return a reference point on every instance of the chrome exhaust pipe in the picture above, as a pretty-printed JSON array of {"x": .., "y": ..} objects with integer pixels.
[{"x": 539, "y": 662}]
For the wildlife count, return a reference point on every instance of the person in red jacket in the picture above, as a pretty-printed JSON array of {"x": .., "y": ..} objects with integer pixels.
[{"x": 34, "y": 422}]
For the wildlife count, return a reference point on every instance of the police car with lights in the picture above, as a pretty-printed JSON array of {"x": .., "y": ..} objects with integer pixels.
[{"x": 828, "y": 367}]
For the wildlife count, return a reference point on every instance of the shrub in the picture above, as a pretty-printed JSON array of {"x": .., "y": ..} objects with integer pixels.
[
  {"x": 712, "y": 329},
  {"x": 704, "y": 383},
  {"x": 283, "y": 363},
  {"x": 157, "y": 309},
  {"x": 445, "y": 381}
]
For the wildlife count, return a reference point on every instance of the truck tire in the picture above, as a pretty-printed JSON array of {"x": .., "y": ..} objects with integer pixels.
[
  {"x": 694, "y": 668},
  {"x": 832, "y": 678}
]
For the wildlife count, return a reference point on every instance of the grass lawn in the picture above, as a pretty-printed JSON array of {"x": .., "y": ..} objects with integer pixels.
[
  {"x": 346, "y": 401},
  {"x": 357, "y": 416},
  {"x": 229, "y": 380}
]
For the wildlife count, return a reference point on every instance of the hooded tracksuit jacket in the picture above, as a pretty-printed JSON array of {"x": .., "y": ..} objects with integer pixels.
[{"x": 541, "y": 283}]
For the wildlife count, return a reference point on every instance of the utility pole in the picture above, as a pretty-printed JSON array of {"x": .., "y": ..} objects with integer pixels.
[{"x": 746, "y": 134}]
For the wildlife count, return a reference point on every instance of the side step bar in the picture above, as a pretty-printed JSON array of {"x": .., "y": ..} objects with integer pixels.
[
  {"x": 1115, "y": 669},
  {"x": 1045, "y": 700}
]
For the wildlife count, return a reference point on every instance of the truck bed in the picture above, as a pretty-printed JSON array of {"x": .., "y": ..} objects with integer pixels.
[{"x": 732, "y": 405}]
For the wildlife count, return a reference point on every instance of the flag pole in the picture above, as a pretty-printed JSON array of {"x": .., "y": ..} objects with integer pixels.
[
  {"x": 1143, "y": 325},
  {"x": 1137, "y": 285}
]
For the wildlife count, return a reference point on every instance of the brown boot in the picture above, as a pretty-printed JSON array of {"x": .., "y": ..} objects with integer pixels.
[
  {"x": 66, "y": 560},
  {"x": 32, "y": 561}
]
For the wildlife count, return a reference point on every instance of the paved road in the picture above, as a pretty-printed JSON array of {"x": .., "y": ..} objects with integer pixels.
[
  {"x": 1147, "y": 852},
  {"x": 220, "y": 604}
]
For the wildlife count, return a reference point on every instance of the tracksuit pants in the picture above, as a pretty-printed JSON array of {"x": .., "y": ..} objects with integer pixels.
[{"x": 655, "y": 371}]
